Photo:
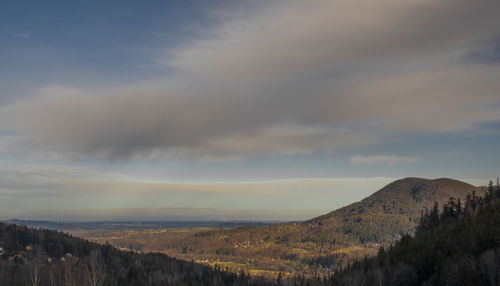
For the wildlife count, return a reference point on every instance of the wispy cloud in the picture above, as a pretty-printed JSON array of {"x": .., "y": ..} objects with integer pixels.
[
  {"x": 380, "y": 159},
  {"x": 175, "y": 214},
  {"x": 50, "y": 191},
  {"x": 24, "y": 35}
]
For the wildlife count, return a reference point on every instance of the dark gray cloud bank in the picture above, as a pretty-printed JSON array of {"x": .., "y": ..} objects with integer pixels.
[{"x": 294, "y": 77}]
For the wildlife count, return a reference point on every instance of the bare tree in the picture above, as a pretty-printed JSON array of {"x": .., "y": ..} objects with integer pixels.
[
  {"x": 52, "y": 278},
  {"x": 52, "y": 275},
  {"x": 69, "y": 272},
  {"x": 34, "y": 273},
  {"x": 326, "y": 246},
  {"x": 95, "y": 272}
]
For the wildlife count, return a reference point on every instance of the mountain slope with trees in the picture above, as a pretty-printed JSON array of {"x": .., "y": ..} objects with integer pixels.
[
  {"x": 389, "y": 213},
  {"x": 456, "y": 245}
]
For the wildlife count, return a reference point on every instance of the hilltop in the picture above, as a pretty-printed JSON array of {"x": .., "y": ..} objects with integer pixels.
[
  {"x": 349, "y": 232},
  {"x": 390, "y": 212}
]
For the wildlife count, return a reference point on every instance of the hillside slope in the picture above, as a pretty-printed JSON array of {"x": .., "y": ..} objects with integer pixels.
[
  {"x": 354, "y": 230},
  {"x": 454, "y": 245},
  {"x": 390, "y": 212}
]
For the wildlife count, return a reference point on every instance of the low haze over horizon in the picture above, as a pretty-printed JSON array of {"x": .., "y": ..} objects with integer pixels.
[{"x": 240, "y": 110}]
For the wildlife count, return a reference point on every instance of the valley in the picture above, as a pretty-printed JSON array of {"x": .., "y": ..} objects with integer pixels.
[{"x": 319, "y": 244}]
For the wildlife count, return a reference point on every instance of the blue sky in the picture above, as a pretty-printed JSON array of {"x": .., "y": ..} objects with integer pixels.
[{"x": 239, "y": 110}]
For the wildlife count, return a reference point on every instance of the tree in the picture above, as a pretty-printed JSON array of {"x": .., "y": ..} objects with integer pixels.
[
  {"x": 70, "y": 272},
  {"x": 94, "y": 270},
  {"x": 34, "y": 273}
]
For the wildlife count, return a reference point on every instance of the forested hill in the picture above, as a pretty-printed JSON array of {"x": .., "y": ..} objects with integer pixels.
[
  {"x": 390, "y": 212},
  {"x": 458, "y": 244},
  {"x": 44, "y": 257},
  {"x": 408, "y": 195}
]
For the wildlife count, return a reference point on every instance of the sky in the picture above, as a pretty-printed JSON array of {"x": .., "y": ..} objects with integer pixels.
[{"x": 240, "y": 110}]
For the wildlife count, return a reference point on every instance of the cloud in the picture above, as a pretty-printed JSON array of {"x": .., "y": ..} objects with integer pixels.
[
  {"x": 290, "y": 78},
  {"x": 431, "y": 100},
  {"x": 172, "y": 214},
  {"x": 24, "y": 35},
  {"x": 65, "y": 192},
  {"x": 290, "y": 40},
  {"x": 37, "y": 181},
  {"x": 380, "y": 159},
  {"x": 154, "y": 125},
  {"x": 487, "y": 54},
  {"x": 493, "y": 126}
]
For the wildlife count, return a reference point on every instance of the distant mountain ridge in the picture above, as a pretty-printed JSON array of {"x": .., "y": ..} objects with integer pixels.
[
  {"x": 128, "y": 225},
  {"x": 43, "y": 224}
]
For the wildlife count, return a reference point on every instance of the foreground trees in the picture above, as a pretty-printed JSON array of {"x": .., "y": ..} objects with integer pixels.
[{"x": 42, "y": 257}]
